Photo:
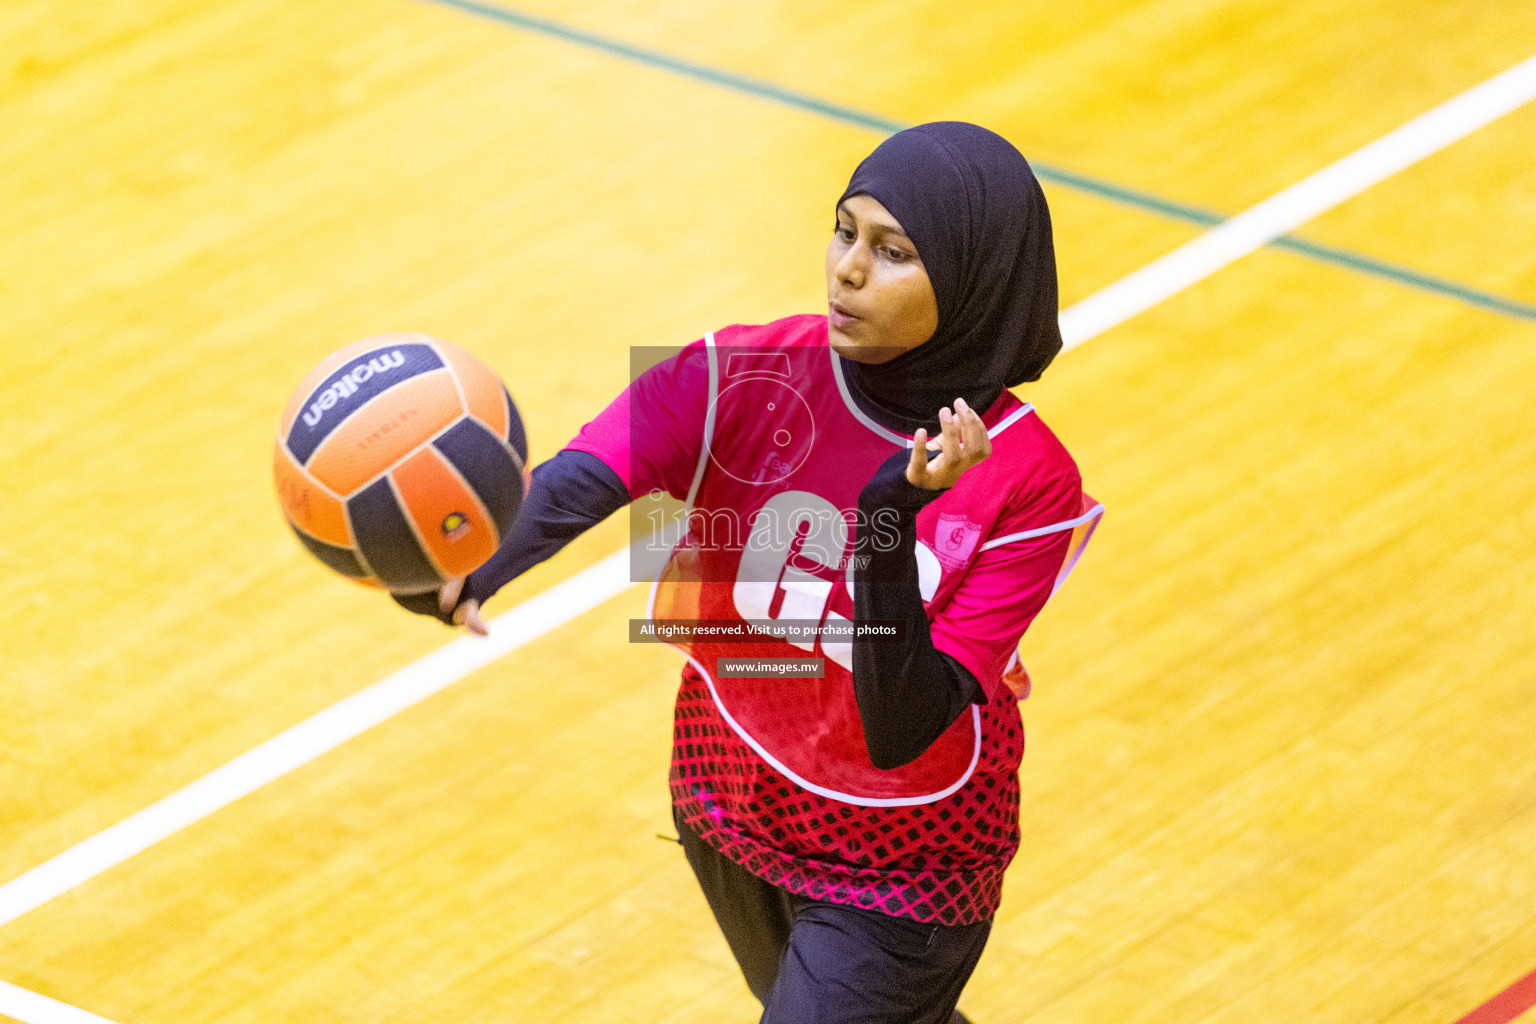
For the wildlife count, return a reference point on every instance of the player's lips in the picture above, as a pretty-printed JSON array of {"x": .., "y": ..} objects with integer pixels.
[{"x": 838, "y": 316}]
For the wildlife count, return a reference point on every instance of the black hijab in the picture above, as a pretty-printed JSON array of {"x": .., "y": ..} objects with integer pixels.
[{"x": 972, "y": 207}]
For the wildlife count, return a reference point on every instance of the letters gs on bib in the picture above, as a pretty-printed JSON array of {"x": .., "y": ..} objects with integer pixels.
[
  {"x": 795, "y": 550},
  {"x": 797, "y": 553}
]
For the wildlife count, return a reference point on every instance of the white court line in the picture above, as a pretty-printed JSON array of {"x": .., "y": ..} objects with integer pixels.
[
  {"x": 1289, "y": 208},
  {"x": 1138, "y": 291},
  {"x": 316, "y": 735},
  {"x": 26, "y": 1005}
]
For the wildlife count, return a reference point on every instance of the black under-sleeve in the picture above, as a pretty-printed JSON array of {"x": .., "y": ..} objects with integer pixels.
[
  {"x": 567, "y": 496},
  {"x": 908, "y": 693}
]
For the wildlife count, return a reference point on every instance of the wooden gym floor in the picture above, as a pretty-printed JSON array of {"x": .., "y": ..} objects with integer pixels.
[{"x": 1283, "y": 740}]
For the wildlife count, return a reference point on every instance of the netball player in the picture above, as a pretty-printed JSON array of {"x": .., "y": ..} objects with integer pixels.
[{"x": 865, "y": 466}]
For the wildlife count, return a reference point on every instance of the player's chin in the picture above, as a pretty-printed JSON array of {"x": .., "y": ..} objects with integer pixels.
[{"x": 858, "y": 349}]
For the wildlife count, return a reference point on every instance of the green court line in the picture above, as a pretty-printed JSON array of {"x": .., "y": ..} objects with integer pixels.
[
  {"x": 1145, "y": 202},
  {"x": 1409, "y": 277}
]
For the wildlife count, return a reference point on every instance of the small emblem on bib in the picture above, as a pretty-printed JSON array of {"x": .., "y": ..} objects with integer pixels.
[{"x": 954, "y": 538}]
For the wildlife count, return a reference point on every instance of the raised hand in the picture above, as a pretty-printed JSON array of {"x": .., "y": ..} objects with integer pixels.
[{"x": 962, "y": 442}]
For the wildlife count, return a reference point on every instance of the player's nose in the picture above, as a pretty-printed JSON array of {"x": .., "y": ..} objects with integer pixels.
[{"x": 851, "y": 267}]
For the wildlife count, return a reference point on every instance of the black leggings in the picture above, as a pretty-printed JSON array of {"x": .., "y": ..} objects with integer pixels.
[{"x": 812, "y": 962}]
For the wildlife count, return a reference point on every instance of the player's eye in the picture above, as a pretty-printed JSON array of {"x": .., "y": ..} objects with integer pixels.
[
  {"x": 897, "y": 255},
  {"x": 844, "y": 232}
]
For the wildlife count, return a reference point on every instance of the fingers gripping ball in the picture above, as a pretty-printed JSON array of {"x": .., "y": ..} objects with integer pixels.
[{"x": 401, "y": 461}]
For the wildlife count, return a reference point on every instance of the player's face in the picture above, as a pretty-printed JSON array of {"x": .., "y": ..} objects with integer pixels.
[{"x": 879, "y": 300}]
